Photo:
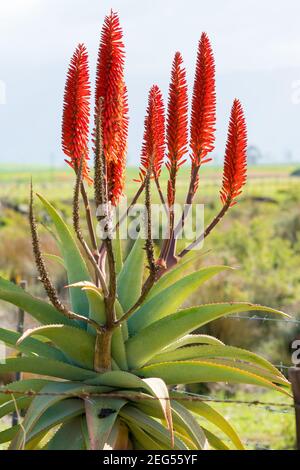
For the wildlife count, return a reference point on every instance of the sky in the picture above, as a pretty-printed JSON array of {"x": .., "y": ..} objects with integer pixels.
[{"x": 257, "y": 52}]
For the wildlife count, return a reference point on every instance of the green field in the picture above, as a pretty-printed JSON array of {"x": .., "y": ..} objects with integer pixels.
[
  {"x": 260, "y": 236},
  {"x": 264, "y": 180},
  {"x": 261, "y": 427}
]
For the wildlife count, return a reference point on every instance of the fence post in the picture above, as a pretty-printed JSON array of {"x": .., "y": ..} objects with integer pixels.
[
  {"x": 294, "y": 376},
  {"x": 20, "y": 329}
]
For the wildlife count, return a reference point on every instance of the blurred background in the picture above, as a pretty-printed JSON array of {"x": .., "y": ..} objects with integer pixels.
[{"x": 257, "y": 52}]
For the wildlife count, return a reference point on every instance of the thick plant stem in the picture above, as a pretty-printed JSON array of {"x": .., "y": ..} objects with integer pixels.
[{"x": 102, "y": 358}]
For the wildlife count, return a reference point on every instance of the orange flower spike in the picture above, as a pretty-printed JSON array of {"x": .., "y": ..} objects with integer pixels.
[
  {"x": 76, "y": 112},
  {"x": 177, "y": 123},
  {"x": 110, "y": 87},
  {"x": 110, "y": 83},
  {"x": 153, "y": 149},
  {"x": 203, "y": 117},
  {"x": 235, "y": 165}
]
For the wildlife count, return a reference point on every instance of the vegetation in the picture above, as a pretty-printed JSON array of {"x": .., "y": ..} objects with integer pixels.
[
  {"x": 105, "y": 362},
  {"x": 262, "y": 427}
]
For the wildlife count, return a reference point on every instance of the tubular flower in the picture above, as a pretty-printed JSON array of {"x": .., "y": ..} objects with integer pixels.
[
  {"x": 203, "y": 118},
  {"x": 111, "y": 89},
  {"x": 76, "y": 112},
  {"x": 177, "y": 123},
  {"x": 235, "y": 165},
  {"x": 153, "y": 149}
]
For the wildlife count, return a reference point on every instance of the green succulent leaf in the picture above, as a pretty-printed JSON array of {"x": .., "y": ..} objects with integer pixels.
[
  {"x": 56, "y": 259},
  {"x": 197, "y": 407},
  {"x": 198, "y": 352},
  {"x": 161, "y": 392},
  {"x": 8, "y": 434},
  {"x": 124, "y": 380},
  {"x": 151, "y": 426},
  {"x": 124, "y": 326},
  {"x": 101, "y": 415},
  {"x": 117, "y": 248},
  {"x": 170, "y": 299},
  {"x": 34, "y": 385},
  {"x": 118, "y": 437},
  {"x": 49, "y": 367},
  {"x": 214, "y": 441},
  {"x": 185, "y": 426},
  {"x": 143, "y": 440},
  {"x": 189, "y": 340},
  {"x": 190, "y": 444},
  {"x": 12, "y": 405},
  {"x": 149, "y": 341},
  {"x": 96, "y": 302},
  {"x": 190, "y": 425},
  {"x": 175, "y": 274},
  {"x": 275, "y": 377},
  {"x": 59, "y": 413},
  {"x": 42, "y": 311},
  {"x": 51, "y": 394},
  {"x": 30, "y": 346},
  {"x": 68, "y": 437},
  {"x": 186, "y": 372},
  {"x": 73, "y": 260},
  {"x": 118, "y": 349},
  {"x": 131, "y": 276},
  {"x": 80, "y": 349},
  {"x": 210, "y": 414}
]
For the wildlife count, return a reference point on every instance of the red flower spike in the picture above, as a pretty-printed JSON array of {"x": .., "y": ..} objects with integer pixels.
[
  {"x": 76, "y": 112},
  {"x": 110, "y": 87},
  {"x": 235, "y": 165},
  {"x": 203, "y": 118},
  {"x": 153, "y": 149},
  {"x": 177, "y": 123}
]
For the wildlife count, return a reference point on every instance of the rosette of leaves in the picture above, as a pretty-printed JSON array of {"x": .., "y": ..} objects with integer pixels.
[{"x": 133, "y": 405}]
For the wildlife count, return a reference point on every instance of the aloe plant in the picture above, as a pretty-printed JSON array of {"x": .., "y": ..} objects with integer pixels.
[{"x": 105, "y": 366}]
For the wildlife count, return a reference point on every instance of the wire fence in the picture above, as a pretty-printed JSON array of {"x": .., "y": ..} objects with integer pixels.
[
  {"x": 188, "y": 397},
  {"x": 264, "y": 319}
]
